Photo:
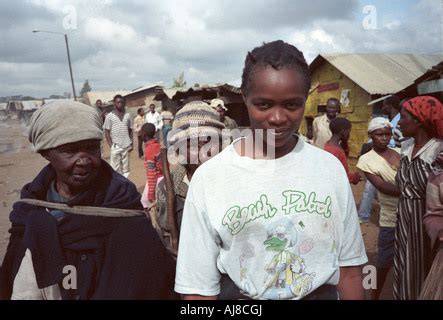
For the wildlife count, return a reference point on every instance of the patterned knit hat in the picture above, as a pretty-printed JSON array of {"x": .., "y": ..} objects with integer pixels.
[{"x": 195, "y": 119}]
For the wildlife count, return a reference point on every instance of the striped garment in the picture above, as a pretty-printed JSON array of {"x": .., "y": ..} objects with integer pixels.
[
  {"x": 153, "y": 166},
  {"x": 412, "y": 244},
  {"x": 119, "y": 129}
]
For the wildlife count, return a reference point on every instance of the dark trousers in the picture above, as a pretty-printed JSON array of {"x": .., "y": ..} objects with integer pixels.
[
  {"x": 140, "y": 146},
  {"x": 229, "y": 291}
]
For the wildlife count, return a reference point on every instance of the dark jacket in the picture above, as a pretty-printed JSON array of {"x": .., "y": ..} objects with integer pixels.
[{"x": 115, "y": 258}]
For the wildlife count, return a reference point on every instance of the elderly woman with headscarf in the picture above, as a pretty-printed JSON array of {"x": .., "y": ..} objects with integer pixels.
[
  {"x": 421, "y": 119},
  {"x": 78, "y": 232},
  {"x": 380, "y": 167}
]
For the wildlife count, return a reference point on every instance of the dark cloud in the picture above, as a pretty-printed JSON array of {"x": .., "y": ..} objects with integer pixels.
[
  {"x": 262, "y": 15},
  {"x": 14, "y": 12},
  {"x": 127, "y": 44}
]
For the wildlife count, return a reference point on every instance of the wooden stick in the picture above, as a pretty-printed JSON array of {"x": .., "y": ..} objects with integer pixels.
[{"x": 170, "y": 196}]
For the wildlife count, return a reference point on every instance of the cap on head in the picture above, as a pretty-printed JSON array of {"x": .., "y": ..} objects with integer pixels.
[
  {"x": 64, "y": 121},
  {"x": 218, "y": 103}
]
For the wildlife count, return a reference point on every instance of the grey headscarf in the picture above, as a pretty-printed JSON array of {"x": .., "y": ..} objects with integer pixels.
[{"x": 64, "y": 121}]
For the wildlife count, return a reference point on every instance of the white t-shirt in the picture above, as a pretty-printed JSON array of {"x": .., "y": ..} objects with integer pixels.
[
  {"x": 154, "y": 118},
  {"x": 280, "y": 228}
]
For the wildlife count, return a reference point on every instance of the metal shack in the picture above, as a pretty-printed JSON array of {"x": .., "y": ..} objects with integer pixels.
[
  {"x": 357, "y": 80},
  {"x": 231, "y": 95}
]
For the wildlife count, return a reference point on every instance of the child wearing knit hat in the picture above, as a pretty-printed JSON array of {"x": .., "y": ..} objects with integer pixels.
[
  {"x": 196, "y": 136},
  {"x": 195, "y": 120}
]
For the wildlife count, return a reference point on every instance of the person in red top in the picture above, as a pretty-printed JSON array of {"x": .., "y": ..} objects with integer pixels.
[
  {"x": 153, "y": 164},
  {"x": 338, "y": 145}
]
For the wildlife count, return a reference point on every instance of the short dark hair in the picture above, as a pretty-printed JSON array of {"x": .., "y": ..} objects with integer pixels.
[
  {"x": 139, "y": 110},
  {"x": 118, "y": 96},
  {"x": 393, "y": 101},
  {"x": 277, "y": 54},
  {"x": 337, "y": 125},
  {"x": 148, "y": 130}
]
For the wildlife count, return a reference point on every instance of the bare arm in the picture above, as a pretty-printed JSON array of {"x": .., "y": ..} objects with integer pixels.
[
  {"x": 198, "y": 297},
  {"x": 383, "y": 186},
  {"x": 350, "y": 285},
  {"x": 131, "y": 136},
  {"x": 108, "y": 137}
]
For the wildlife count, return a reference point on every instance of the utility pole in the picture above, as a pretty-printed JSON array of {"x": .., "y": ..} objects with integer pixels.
[{"x": 69, "y": 57}]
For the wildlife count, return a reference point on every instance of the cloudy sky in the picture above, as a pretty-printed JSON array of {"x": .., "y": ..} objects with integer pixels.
[{"x": 118, "y": 44}]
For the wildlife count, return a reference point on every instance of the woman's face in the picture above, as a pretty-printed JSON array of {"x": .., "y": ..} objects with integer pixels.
[
  {"x": 276, "y": 103},
  {"x": 409, "y": 126},
  {"x": 381, "y": 137},
  {"x": 76, "y": 164}
]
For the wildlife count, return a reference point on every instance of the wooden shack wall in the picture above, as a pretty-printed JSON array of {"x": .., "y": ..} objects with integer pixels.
[{"x": 358, "y": 111}]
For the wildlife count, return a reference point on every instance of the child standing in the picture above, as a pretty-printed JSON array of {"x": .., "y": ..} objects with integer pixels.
[
  {"x": 153, "y": 163},
  {"x": 338, "y": 145},
  {"x": 267, "y": 216}
]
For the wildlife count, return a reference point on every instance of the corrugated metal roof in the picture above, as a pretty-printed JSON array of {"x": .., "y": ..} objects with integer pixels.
[
  {"x": 31, "y": 104},
  {"x": 104, "y": 96},
  {"x": 206, "y": 87},
  {"x": 168, "y": 93},
  {"x": 380, "y": 73},
  {"x": 46, "y": 101},
  {"x": 232, "y": 88},
  {"x": 149, "y": 86},
  {"x": 171, "y": 92}
]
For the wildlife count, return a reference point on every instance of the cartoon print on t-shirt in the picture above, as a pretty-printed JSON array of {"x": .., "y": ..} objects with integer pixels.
[{"x": 287, "y": 277}]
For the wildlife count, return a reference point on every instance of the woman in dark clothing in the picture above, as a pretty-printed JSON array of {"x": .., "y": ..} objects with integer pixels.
[
  {"x": 78, "y": 231},
  {"x": 421, "y": 119}
]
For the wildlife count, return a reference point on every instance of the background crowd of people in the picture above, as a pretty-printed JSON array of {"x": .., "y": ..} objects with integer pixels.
[{"x": 276, "y": 221}]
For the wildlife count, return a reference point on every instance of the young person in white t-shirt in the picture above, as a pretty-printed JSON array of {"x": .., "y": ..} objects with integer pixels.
[{"x": 277, "y": 220}]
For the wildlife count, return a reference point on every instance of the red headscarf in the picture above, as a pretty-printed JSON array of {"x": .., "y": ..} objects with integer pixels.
[{"x": 428, "y": 111}]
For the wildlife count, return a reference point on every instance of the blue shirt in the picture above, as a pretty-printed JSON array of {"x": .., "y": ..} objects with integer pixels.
[
  {"x": 54, "y": 196},
  {"x": 395, "y": 130}
]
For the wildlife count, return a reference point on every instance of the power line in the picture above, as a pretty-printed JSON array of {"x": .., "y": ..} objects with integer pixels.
[{"x": 57, "y": 42}]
